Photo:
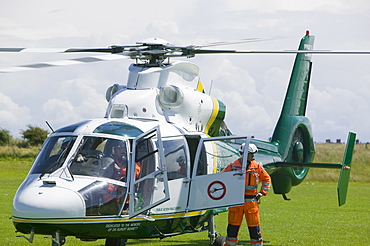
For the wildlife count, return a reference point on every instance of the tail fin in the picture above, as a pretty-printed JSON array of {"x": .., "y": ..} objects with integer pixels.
[
  {"x": 294, "y": 108},
  {"x": 293, "y": 134},
  {"x": 296, "y": 97}
]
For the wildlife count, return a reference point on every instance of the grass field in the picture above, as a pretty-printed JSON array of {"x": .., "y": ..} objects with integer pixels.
[{"x": 311, "y": 217}]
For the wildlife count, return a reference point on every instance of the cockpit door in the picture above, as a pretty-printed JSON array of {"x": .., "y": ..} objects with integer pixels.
[
  {"x": 211, "y": 188},
  {"x": 148, "y": 176}
]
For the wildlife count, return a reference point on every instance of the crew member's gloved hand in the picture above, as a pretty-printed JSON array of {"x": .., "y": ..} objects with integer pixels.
[{"x": 258, "y": 196}]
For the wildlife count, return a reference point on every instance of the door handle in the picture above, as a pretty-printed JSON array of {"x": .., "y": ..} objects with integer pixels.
[{"x": 158, "y": 173}]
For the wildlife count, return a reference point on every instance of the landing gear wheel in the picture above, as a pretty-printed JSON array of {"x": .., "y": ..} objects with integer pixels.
[
  {"x": 115, "y": 241},
  {"x": 219, "y": 241},
  {"x": 62, "y": 241}
]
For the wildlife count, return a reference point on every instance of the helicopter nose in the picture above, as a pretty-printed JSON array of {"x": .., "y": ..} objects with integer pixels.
[{"x": 48, "y": 202}]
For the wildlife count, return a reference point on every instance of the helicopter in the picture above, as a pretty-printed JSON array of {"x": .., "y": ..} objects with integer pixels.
[{"x": 173, "y": 141}]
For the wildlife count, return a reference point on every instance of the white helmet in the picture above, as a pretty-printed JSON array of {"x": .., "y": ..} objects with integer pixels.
[{"x": 251, "y": 149}]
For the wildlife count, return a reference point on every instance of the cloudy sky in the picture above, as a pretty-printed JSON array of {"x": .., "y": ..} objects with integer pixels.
[{"x": 252, "y": 86}]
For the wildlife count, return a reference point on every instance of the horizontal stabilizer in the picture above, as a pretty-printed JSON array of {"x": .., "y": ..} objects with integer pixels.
[
  {"x": 345, "y": 167},
  {"x": 304, "y": 164}
]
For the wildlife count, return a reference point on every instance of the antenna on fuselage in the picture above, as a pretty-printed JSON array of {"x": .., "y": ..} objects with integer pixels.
[
  {"x": 210, "y": 88},
  {"x": 47, "y": 123}
]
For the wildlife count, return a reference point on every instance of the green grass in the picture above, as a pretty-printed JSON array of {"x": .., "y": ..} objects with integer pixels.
[{"x": 312, "y": 217}]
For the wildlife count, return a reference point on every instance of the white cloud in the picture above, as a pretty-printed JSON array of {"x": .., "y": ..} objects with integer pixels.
[
  {"x": 235, "y": 87},
  {"x": 335, "y": 111},
  {"x": 13, "y": 117},
  {"x": 250, "y": 85},
  {"x": 75, "y": 100},
  {"x": 162, "y": 27},
  {"x": 287, "y": 5},
  {"x": 60, "y": 111}
]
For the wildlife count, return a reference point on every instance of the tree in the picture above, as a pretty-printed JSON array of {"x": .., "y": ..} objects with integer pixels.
[
  {"x": 5, "y": 137},
  {"x": 34, "y": 135}
]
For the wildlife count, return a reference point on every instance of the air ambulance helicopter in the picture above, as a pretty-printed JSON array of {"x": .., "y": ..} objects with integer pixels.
[{"x": 150, "y": 168}]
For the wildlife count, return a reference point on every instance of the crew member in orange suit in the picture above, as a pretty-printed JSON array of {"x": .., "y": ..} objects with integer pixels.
[
  {"x": 120, "y": 159},
  {"x": 255, "y": 173},
  {"x": 120, "y": 170}
]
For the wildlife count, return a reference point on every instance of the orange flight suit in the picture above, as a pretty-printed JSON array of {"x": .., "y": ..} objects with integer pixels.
[
  {"x": 255, "y": 173},
  {"x": 120, "y": 174}
]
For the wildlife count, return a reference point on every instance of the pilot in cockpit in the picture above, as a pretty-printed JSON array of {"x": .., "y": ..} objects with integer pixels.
[
  {"x": 119, "y": 155},
  {"x": 181, "y": 172}
]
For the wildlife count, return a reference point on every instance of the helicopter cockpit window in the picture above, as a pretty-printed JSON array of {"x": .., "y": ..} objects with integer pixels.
[
  {"x": 214, "y": 155},
  {"x": 118, "y": 128},
  {"x": 202, "y": 165},
  {"x": 72, "y": 128},
  {"x": 101, "y": 157},
  {"x": 227, "y": 152},
  {"x": 106, "y": 158},
  {"x": 103, "y": 198},
  {"x": 144, "y": 157},
  {"x": 176, "y": 163},
  {"x": 53, "y": 154}
]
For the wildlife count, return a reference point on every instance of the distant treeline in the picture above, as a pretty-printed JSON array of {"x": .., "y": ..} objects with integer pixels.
[{"x": 32, "y": 136}]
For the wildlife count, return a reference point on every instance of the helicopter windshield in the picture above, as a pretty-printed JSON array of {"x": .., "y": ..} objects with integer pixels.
[
  {"x": 95, "y": 156},
  {"x": 53, "y": 154},
  {"x": 107, "y": 158},
  {"x": 101, "y": 157}
]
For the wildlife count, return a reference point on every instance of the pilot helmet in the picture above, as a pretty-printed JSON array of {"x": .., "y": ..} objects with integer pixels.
[{"x": 117, "y": 144}]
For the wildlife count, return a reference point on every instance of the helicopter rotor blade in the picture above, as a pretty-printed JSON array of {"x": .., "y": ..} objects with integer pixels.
[
  {"x": 240, "y": 41},
  {"x": 193, "y": 49},
  {"x": 114, "y": 49},
  {"x": 147, "y": 54},
  {"x": 153, "y": 51},
  {"x": 34, "y": 50},
  {"x": 145, "y": 44},
  {"x": 67, "y": 62},
  {"x": 354, "y": 52}
]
